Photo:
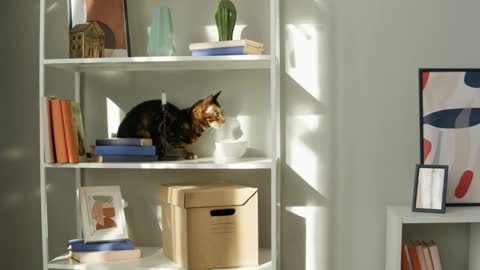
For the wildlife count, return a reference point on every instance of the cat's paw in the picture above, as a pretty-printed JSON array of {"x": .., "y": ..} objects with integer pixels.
[{"x": 190, "y": 155}]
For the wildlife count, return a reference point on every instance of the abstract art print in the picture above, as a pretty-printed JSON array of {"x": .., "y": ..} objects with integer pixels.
[
  {"x": 450, "y": 129},
  {"x": 103, "y": 218},
  {"x": 112, "y": 17}
]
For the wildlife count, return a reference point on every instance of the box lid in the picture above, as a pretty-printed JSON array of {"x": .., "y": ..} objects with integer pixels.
[{"x": 205, "y": 195}]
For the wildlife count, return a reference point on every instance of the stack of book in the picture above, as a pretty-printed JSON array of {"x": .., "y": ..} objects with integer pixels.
[
  {"x": 420, "y": 256},
  {"x": 102, "y": 251},
  {"x": 229, "y": 47},
  {"x": 125, "y": 150},
  {"x": 62, "y": 131}
]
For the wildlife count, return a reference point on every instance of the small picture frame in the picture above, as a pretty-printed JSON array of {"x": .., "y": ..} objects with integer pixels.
[
  {"x": 112, "y": 17},
  {"x": 430, "y": 188},
  {"x": 103, "y": 218}
]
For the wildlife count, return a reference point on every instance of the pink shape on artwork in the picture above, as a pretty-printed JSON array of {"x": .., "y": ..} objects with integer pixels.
[{"x": 464, "y": 184}]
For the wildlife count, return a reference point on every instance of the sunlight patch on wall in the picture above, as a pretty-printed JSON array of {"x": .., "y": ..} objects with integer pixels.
[
  {"x": 317, "y": 230},
  {"x": 303, "y": 151},
  {"x": 114, "y": 117},
  {"x": 306, "y": 47}
]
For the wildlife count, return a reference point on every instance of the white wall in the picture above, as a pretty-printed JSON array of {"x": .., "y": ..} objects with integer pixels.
[
  {"x": 308, "y": 122},
  {"x": 379, "y": 47}
]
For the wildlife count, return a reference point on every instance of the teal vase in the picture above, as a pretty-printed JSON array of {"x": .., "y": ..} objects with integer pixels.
[{"x": 160, "y": 41}]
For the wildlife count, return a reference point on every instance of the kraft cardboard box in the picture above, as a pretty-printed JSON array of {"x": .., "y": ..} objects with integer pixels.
[{"x": 210, "y": 226}]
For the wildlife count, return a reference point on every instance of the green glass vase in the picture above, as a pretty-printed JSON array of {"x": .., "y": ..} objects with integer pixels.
[{"x": 161, "y": 42}]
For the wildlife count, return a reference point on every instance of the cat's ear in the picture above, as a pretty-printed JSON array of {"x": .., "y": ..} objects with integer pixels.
[{"x": 215, "y": 97}]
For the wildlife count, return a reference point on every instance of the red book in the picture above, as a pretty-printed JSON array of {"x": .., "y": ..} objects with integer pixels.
[
  {"x": 70, "y": 134},
  {"x": 412, "y": 251},
  {"x": 58, "y": 131}
]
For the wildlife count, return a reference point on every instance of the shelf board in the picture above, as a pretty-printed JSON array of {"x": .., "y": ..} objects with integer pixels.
[
  {"x": 202, "y": 163},
  {"x": 152, "y": 259},
  {"x": 452, "y": 215},
  {"x": 161, "y": 63}
]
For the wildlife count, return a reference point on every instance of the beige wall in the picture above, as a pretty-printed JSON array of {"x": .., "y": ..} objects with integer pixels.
[{"x": 19, "y": 184}]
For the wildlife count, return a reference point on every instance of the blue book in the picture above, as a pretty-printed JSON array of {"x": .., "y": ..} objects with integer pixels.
[
  {"x": 125, "y": 150},
  {"x": 78, "y": 245},
  {"x": 124, "y": 141},
  {"x": 240, "y": 50},
  {"x": 111, "y": 159}
]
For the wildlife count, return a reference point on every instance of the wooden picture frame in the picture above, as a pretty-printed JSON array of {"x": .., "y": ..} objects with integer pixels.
[
  {"x": 103, "y": 218},
  {"x": 430, "y": 188},
  {"x": 111, "y": 15}
]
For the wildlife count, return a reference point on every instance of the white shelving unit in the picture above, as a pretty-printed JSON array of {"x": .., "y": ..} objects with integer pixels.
[
  {"x": 399, "y": 216},
  {"x": 153, "y": 257}
]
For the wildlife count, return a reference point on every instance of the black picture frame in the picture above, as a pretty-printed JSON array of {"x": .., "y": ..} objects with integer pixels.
[
  {"x": 125, "y": 13},
  {"x": 444, "y": 189},
  {"x": 421, "y": 123}
]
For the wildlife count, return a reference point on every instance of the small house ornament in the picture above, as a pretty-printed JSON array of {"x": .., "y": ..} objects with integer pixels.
[{"x": 87, "y": 41}]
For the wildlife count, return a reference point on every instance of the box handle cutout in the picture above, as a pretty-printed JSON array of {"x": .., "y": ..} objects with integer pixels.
[{"x": 222, "y": 212}]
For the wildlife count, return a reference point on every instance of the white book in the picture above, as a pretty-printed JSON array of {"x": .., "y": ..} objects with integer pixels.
[
  {"x": 105, "y": 256},
  {"x": 47, "y": 131},
  {"x": 225, "y": 44}
]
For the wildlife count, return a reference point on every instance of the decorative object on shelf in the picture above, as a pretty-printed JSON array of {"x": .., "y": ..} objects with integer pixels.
[
  {"x": 183, "y": 127},
  {"x": 160, "y": 41},
  {"x": 224, "y": 216},
  {"x": 230, "y": 47},
  {"x": 111, "y": 16},
  {"x": 87, "y": 41},
  {"x": 450, "y": 128},
  {"x": 230, "y": 149},
  {"x": 103, "y": 218},
  {"x": 225, "y": 17},
  {"x": 430, "y": 188}
]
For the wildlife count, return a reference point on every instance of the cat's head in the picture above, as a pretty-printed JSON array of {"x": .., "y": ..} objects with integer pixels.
[{"x": 209, "y": 112}]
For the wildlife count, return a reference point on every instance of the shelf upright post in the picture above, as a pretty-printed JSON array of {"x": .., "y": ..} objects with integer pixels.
[
  {"x": 78, "y": 171},
  {"x": 43, "y": 180},
  {"x": 275, "y": 134}
]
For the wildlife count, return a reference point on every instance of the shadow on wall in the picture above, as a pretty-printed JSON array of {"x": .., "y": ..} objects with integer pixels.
[{"x": 307, "y": 123}]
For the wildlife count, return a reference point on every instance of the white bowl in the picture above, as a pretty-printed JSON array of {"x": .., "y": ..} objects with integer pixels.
[{"x": 230, "y": 149}]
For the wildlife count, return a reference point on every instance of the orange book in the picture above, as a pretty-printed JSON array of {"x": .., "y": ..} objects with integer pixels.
[
  {"x": 58, "y": 131},
  {"x": 70, "y": 133},
  {"x": 412, "y": 251}
]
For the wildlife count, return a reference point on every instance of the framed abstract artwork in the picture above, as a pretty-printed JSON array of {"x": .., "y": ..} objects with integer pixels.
[
  {"x": 450, "y": 129},
  {"x": 430, "y": 188},
  {"x": 102, "y": 213},
  {"x": 112, "y": 17}
]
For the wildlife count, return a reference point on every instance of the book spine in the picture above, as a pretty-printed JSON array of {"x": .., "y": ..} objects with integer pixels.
[
  {"x": 58, "y": 131},
  {"x": 124, "y": 142},
  {"x": 47, "y": 131},
  {"x": 227, "y": 43},
  {"x": 70, "y": 134},
  {"x": 81, "y": 246},
  {"x": 111, "y": 159},
  {"x": 220, "y": 51},
  {"x": 125, "y": 150},
  {"x": 80, "y": 135}
]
